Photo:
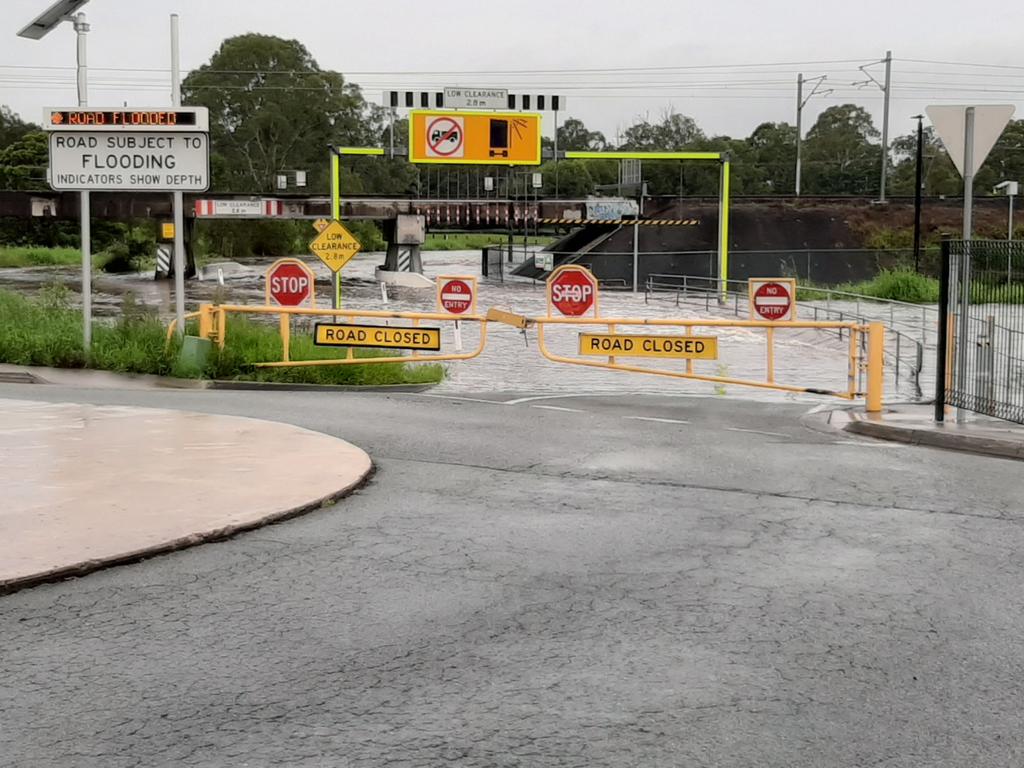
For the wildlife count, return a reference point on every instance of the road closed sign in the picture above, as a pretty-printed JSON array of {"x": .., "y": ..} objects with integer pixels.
[
  {"x": 129, "y": 161},
  {"x": 572, "y": 290},
  {"x": 772, "y": 299}
]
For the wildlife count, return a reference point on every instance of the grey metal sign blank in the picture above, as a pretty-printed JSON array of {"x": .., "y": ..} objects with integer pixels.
[{"x": 950, "y": 121}]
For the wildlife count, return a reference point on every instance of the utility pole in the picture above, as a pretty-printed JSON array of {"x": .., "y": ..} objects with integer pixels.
[
  {"x": 801, "y": 102},
  {"x": 918, "y": 175},
  {"x": 885, "y": 124},
  {"x": 179, "y": 213},
  {"x": 885, "y": 89},
  {"x": 85, "y": 213}
]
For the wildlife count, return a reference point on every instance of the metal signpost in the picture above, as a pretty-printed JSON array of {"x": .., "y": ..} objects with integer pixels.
[
  {"x": 129, "y": 150},
  {"x": 968, "y": 134}
]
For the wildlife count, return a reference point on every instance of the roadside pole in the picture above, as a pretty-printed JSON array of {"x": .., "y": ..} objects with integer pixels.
[
  {"x": 723, "y": 231},
  {"x": 636, "y": 256},
  {"x": 85, "y": 210},
  {"x": 943, "y": 342},
  {"x": 964, "y": 280},
  {"x": 336, "y": 216},
  {"x": 179, "y": 214}
]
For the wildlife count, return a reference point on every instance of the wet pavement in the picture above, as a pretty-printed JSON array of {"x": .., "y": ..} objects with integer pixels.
[{"x": 87, "y": 485}]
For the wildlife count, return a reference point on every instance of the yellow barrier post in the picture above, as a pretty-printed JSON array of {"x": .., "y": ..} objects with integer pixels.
[
  {"x": 876, "y": 367},
  {"x": 205, "y": 321},
  {"x": 770, "y": 344},
  {"x": 285, "y": 324}
]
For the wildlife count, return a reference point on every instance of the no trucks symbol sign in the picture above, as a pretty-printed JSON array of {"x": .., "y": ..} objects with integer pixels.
[{"x": 446, "y": 137}]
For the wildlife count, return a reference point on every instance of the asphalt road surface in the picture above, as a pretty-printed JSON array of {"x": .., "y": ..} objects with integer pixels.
[{"x": 603, "y": 581}]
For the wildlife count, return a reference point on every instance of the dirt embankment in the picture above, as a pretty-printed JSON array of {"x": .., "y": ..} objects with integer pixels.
[{"x": 787, "y": 225}]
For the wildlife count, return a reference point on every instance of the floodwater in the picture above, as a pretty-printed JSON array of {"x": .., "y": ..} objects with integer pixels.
[{"x": 511, "y": 361}]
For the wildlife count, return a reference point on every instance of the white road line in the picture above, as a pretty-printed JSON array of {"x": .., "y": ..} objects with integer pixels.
[
  {"x": 756, "y": 432},
  {"x": 557, "y": 408},
  {"x": 456, "y": 397},
  {"x": 652, "y": 418}
]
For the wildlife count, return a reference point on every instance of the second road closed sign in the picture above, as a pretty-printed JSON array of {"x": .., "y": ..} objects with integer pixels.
[
  {"x": 381, "y": 336},
  {"x": 622, "y": 345},
  {"x": 136, "y": 161}
]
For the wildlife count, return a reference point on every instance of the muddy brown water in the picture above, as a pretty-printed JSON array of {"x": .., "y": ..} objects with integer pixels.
[{"x": 510, "y": 360}]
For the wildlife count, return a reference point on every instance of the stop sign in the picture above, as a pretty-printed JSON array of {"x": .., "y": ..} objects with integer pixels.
[
  {"x": 772, "y": 301},
  {"x": 289, "y": 283},
  {"x": 572, "y": 290},
  {"x": 456, "y": 296}
]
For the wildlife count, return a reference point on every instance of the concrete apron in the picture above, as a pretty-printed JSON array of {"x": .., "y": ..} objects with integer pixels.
[{"x": 91, "y": 486}]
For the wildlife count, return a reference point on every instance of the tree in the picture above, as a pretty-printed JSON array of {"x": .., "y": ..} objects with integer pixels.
[
  {"x": 1006, "y": 160},
  {"x": 273, "y": 109},
  {"x": 774, "y": 153},
  {"x": 574, "y": 179},
  {"x": 840, "y": 157},
  {"x": 23, "y": 163},
  {"x": 940, "y": 176},
  {"x": 675, "y": 132},
  {"x": 574, "y": 136},
  {"x": 12, "y": 127}
]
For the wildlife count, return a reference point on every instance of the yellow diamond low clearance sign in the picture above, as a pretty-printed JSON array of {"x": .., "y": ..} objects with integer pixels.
[{"x": 335, "y": 246}]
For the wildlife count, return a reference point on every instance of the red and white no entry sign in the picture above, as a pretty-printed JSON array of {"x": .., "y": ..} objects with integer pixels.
[
  {"x": 572, "y": 290},
  {"x": 772, "y": 299},
  {"x": 455, "y": 295},
  {"x": 289, "y": 283},
  {"x": 446, "y": 137}
]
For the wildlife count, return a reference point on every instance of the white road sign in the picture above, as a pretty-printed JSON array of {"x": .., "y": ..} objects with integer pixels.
[
  {"x": 950, "y": 124},
  {"x": 129, "y": 161},
  {"x": 476, "y": 98}
]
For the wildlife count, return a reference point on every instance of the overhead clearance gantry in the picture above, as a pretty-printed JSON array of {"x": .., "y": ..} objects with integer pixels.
[{"x": 458, "y": 137}]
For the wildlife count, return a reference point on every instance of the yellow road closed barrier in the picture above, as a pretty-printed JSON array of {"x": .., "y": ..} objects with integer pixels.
[{"x": 600, "y": 345}]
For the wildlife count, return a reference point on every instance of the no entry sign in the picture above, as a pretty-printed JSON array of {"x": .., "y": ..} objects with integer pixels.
[
  {"x": 772, "y": 299},
  {"x": 456, "y": 295},
  {"x": 572, "y": 290},
  {"x": 289, "y": 283}
]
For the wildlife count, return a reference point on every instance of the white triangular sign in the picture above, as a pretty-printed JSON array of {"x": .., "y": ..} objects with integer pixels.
[{"x": 950, "y": 125}]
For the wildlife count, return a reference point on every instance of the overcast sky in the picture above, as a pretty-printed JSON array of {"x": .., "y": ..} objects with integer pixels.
[{"x": 400, "y": 44}]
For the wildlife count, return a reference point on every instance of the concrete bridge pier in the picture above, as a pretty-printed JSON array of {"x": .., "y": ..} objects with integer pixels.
[{"x": 403, "y": 264}]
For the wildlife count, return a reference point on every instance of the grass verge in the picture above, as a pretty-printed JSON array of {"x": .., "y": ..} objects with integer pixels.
[
  {"x": 47, "y": 332},
  {"x": 906, "y": 285},
  {"x": 38, "y": 256},
  {"x": 473, "y": 242}
]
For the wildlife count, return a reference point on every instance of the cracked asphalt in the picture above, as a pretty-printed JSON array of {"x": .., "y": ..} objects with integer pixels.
[{"x": 625, "y": 581}]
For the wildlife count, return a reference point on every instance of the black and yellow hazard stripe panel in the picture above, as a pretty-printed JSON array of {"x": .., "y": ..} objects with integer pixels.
[{"x": 625, "y": 222}]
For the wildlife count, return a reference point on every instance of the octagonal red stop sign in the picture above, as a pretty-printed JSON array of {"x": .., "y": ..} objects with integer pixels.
[
  {"x": 573, "y": 291},
  {"x": 289, "y": 283}
]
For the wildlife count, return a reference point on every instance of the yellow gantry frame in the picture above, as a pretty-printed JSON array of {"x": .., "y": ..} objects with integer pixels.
[
  {"x": 723, "y": 197},
  {"x": 723, "y": 194}
]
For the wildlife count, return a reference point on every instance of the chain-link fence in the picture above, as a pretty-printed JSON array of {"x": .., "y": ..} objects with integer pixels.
[{"x": 982, "y": 328}]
